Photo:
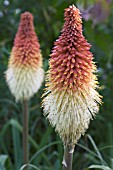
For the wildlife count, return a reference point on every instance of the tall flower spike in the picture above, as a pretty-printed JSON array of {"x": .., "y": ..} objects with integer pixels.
[
  {"x": 25, "y": 74},
  {"x": 71, "y": 99}
]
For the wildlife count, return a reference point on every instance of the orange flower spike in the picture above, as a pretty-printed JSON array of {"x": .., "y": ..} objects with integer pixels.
[
  {"x": 25, "y": 74},
  {"x": 72, "y": 99},
  {"x": 73, "y": 50}
]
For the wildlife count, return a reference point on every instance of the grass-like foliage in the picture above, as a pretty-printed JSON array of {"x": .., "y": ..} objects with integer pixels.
[{"x": 94, "y": 151}]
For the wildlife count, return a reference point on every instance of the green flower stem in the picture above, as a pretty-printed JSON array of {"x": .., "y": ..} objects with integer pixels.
[
  {"x": 25, "y": 133},
  {"x": 68, "y": 157}
]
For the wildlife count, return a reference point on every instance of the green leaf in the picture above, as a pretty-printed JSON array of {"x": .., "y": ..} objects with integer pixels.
[
  {"x": 29, "y": 165},
  {"x": 100, "y": 167},
  {"x": 3, "y": 159},
  {"x": 97, "y": 150},
  {"x": 2, "y": 167},
  {"x": 17, "y": 147},
  {"x": 42, "y": 149}
]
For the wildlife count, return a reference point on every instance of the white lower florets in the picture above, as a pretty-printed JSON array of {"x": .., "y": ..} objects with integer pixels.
[
  {"x": 24, "y": 82},
  {"x": 71, "y": 113}
]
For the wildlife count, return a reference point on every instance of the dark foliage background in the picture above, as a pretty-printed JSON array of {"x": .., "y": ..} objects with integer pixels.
[{"x": 45, "y": 147}]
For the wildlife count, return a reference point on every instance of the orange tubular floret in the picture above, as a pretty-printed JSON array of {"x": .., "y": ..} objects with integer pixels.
[{"x": 71, "y": 59}]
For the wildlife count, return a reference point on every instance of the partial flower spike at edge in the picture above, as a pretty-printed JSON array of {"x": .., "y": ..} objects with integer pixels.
[
  {"x": 25, "y": 74},
  {"x": 71, "y": 99}
]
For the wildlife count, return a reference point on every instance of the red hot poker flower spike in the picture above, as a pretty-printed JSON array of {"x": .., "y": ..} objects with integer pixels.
[
  {"x": 71, "y": 61},
  {"x": 72, "y": 98},
  {"x": 25, "y": 74}
]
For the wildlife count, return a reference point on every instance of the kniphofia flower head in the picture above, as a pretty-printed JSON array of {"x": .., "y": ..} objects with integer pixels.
[
  {"x": 25, "y": 74},
  {"x": 71, "y": 99}
]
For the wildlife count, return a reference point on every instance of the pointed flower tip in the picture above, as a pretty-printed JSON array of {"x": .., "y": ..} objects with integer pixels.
[
  {"x": 26, "y": 15},
  {"x": 25, "y": 74},
  {"x": 73, "y": 14},
  {"x": 71, "y": 99},
  {"x": 71, "y": 10}
]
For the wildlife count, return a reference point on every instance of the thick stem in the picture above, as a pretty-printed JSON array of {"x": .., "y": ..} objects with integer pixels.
[
  {"x": 68, "y": 157},
  {"x": 25, "y": 133}
]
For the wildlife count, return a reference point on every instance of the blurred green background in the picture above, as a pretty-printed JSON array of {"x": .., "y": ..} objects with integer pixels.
[{"x": 45, "y": 146}]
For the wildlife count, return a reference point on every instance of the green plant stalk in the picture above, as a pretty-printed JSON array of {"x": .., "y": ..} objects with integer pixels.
[
  {"x": 25, "y": 133},
  {"x": 68, "y": 157}
]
